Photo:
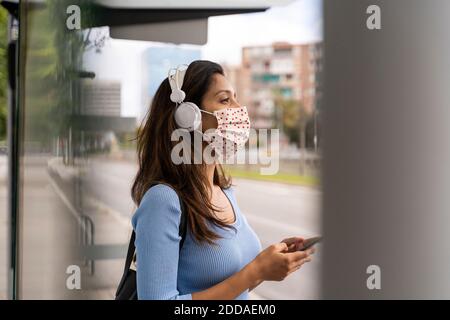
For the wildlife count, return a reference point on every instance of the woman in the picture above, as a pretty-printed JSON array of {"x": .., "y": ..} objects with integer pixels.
[{"x": 221, "y": 257}]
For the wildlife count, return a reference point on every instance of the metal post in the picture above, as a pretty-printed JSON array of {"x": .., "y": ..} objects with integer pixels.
[{"x": 13, "y": 155}]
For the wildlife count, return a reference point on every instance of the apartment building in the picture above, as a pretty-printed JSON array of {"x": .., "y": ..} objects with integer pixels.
[{"x": 279, "y": 71}]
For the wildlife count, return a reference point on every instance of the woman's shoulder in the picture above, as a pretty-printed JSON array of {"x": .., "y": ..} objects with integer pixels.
[
  {"x": 158, "y": 192},
  {"x": 160, "y": 201}
]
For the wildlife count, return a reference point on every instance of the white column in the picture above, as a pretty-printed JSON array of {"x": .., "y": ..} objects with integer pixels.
[{"x": 386, "y": 171}]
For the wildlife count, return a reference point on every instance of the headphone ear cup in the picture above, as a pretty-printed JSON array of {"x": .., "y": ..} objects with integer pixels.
[
  {"x": 188, "y": 116},
  {"x": 177, "y": 96}
]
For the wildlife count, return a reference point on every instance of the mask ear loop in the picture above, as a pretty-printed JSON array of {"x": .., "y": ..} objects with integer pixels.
[
  {"x": 206, "y": 138},
  {"x": 211, "y": 113}
]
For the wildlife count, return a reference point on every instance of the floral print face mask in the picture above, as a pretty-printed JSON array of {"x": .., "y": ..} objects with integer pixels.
[{"x": 232, "y": 132}]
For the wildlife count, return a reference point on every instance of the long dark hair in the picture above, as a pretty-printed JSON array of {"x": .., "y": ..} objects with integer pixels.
[{"x": 154, "y": 148}]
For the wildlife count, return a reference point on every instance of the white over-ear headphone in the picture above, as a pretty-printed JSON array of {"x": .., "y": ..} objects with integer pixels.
[{"x": 187, "y": 114}]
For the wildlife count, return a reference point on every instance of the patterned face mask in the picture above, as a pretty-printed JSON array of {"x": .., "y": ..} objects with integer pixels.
[{"x": 232, "y": 132}]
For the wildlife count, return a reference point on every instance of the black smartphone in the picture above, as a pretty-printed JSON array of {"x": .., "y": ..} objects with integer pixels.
[{"x": 308, "y": 243}]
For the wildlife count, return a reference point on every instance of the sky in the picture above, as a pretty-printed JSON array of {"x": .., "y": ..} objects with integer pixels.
[
  {"x": 298, "y": 22},
  {"x": 121, "y": 60}
]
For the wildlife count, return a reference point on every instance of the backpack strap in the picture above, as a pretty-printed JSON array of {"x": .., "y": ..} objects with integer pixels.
[
  {"x": 183, "y": 223},
  {"x": 131, "y": 253}
]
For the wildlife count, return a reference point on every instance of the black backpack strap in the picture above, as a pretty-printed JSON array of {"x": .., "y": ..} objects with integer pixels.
[
  {"x": 129, "y": 259},
  {"x": 130, "y": 254},
  {"x": 181, "y": 231},
  {"x": 183, "y": 223}
]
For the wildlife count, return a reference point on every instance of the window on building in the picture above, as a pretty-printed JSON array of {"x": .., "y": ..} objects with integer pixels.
[{"x": 286, "y": 93}]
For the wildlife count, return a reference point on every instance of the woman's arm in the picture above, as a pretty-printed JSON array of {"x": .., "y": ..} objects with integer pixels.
[
  {"x": 274, "y": 263},
  {"x": 156, "y": 223},
  {"x": 255, "y": 285}
]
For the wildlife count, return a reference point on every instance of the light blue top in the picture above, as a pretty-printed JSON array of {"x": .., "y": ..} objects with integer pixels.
[{"x": 165, "y": 273}]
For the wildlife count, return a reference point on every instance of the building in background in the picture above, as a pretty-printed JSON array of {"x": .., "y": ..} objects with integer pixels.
[
  {"x": 280, "y": 71},
  {"x": 101, "y": 97},
  {"x": 100, "y": 118}
]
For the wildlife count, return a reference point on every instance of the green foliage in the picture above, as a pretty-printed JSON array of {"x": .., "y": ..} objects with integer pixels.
[
  {"x": 291, "y": 116},
  {"x": 52, "y": 85},
  {"x": 278, "y": 177},
  {"x": 3, "y": 72}
]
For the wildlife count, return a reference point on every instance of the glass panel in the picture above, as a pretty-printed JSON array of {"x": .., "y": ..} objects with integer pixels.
[
  {"x": 49, "y": 100},
  {"x": 84, "y": 95},
  {"x": 4, "y": 217}
]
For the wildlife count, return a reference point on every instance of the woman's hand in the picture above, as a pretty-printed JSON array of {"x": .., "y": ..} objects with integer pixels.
[
  {"x": 273, "y": 263},
  {"x": 276, "y": 262},
  {"x": 293, "y": 243}
]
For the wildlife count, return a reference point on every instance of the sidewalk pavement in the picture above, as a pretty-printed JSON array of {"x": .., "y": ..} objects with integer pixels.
[{"x": 4, "y": 229}]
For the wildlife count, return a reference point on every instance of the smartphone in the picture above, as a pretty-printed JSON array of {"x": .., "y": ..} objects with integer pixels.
[{"x": 308, "y": 243}]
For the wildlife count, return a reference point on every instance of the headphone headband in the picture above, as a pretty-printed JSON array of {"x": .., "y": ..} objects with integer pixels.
[
  {"x": 176, "y": 79},
  {"x": 176, "y": 82},
  {"x": 187, "y": 114}
]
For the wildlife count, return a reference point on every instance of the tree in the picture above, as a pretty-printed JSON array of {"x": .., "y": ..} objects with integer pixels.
[
  {"x": 3, "y": 72},
  {"x": 292, "y": 117},
  {"x": 53, "y": 76}
]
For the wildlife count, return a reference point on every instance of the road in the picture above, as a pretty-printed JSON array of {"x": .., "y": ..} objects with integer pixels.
[{"x": 274, "y": 210}]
